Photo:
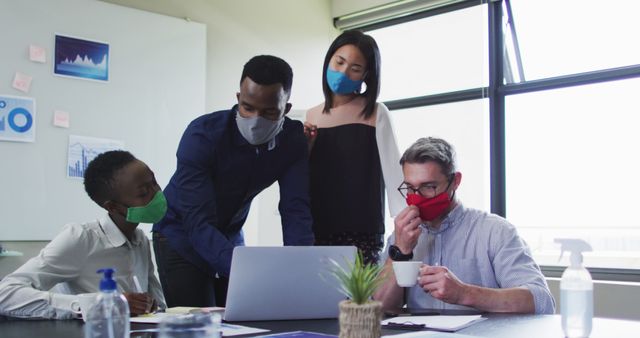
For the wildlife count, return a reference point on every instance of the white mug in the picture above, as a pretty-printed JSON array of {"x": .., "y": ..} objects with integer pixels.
[
  {"x": 83, "y": 303},
  {"x": 406, "y": 272}
]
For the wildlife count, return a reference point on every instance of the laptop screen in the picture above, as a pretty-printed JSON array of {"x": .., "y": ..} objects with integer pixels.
[{"x": 290, "y": 282}]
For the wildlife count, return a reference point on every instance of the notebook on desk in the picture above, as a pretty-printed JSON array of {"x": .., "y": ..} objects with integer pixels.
[
  {"x": 440, "y": 323},
  {"x": 276, "y": 283}
]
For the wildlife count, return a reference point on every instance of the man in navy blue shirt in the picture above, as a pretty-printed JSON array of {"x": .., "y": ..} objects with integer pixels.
[{"x": 224, "y": 160}]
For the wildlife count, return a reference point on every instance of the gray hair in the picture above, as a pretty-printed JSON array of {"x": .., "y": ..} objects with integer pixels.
[{"x": 432, "y": 149}]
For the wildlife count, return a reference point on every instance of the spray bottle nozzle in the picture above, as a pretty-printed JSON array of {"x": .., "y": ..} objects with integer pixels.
[
  {"x": 576, "y": 246},
  {"x": 107, "y": 283}
]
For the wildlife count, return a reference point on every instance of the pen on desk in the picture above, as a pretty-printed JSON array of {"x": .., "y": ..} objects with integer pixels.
[
  {"x": 404, "y": 326},
  {"x": 136, "y": 282}
]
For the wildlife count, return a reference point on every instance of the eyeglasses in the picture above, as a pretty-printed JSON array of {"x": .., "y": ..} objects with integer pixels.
[{"x": 426, "y": 190}]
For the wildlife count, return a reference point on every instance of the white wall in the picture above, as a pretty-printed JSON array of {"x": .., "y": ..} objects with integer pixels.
[{"x": 298, "y": 31}]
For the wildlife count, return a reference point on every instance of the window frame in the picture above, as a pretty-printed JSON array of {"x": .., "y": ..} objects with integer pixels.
[{"x": 496, "y": 92}]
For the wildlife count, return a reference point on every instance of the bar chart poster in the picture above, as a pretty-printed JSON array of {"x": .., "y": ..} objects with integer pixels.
[{"x": 83, "y": 149}]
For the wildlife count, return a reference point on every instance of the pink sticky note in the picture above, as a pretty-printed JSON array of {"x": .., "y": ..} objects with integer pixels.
[
  {"x": 22, "y": 82},
  {"x": 37, "y": 54},
  {"x": 61, "y": 119}
]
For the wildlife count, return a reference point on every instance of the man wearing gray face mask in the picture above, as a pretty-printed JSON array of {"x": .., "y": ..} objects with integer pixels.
[{"x": 224, "y": 160}]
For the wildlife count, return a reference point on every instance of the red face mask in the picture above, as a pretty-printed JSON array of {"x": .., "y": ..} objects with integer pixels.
[{"x": 430, "y": 208}]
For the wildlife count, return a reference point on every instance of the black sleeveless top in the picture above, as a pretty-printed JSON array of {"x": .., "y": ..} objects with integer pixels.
[{"x": 347, "y": 187}]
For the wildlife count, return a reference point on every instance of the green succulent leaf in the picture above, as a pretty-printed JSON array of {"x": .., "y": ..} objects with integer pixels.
[{"x": 358, "y": 281}]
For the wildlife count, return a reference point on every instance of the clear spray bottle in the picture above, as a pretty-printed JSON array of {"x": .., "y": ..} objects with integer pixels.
[{"x": 576, "y": 290}]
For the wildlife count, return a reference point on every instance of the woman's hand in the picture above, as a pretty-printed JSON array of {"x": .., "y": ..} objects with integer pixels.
[{"x": 310, "y": 131}]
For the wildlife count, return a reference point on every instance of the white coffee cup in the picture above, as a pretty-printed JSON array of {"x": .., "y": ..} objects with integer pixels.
[
  {"x": 83, "y": 303},
  {"x": 406, "y": 272}
]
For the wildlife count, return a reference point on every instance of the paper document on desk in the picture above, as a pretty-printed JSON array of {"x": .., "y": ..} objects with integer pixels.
[
  {"x": 228, "y": 330},
  {"x": 183, "y": 310},
  {"x": 155, "y": 318},
  {"x": 298, "y": 334},
  {"x": 429, "y": 334},
  {"x": 441, "y": 323},
  {"x": 151, "y": 318}
]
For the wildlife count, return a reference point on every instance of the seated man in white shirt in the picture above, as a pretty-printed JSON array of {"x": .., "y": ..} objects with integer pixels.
[
  {"x": 127, "y": 189},
  {"x": 471, "y": 259}
]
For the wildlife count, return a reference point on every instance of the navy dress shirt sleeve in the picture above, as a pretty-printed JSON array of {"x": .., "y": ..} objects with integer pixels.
[
  {"x": 197, "y": 201},
  {"x": 294, "y": 203}
]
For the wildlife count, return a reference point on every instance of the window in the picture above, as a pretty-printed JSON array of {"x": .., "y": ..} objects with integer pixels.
[
  {"x": 466, "y": 126},
  {"x": 573, "y": 36},
  {"x": 432, "y": 55},
  {"x": 573, "y": 135},
  {"x": 463, "y": 124},
  {"x": 550, "y": 144},
  {"x": 572, "y": 170}
]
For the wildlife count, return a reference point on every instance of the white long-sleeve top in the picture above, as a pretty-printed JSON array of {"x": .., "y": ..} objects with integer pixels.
[
  {"x": 389, "y": 159},
  {"x": 69, "y": 263}
]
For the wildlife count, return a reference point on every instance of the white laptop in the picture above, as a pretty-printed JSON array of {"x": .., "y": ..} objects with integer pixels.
[{"x": 278, "y": 283}]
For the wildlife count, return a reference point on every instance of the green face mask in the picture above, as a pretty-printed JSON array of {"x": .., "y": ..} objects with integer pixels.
[{"x": 150, "y": 213}]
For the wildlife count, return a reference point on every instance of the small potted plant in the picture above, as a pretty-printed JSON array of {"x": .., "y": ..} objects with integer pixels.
[{"x": 360, "y": 316}]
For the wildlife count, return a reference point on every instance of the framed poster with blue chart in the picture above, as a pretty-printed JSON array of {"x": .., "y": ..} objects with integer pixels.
[
  {"x": 80, "y": 58},
  {"x": 17, "y": 117}
]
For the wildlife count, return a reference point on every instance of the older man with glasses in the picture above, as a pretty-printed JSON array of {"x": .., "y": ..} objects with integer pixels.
[{"x": 471, "y": 259}]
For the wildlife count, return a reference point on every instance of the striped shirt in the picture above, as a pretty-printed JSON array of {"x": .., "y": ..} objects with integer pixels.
[{"x": 482, "y": 249}]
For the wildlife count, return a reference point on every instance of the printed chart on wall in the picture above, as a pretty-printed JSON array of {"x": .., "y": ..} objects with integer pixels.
[
  {"x": 17, "y": 117},
  {"x": 83, "y": 59},
  {"x": 83, "y": 149}
]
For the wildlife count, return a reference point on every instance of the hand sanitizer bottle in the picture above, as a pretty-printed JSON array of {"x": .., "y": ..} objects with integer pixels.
[
  {"x": 576, "y": 291},
  {"x": 109, "y": 317}
]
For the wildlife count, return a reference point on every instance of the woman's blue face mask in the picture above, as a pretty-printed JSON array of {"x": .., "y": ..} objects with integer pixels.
[{"x": 340, "y": 83}]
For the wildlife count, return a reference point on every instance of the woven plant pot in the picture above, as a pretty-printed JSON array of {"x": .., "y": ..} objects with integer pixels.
[{"x": 360, "y": 321}]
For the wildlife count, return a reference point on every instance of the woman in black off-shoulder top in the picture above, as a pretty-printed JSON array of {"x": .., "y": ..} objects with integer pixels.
[{"x": 353, "y": 152}]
